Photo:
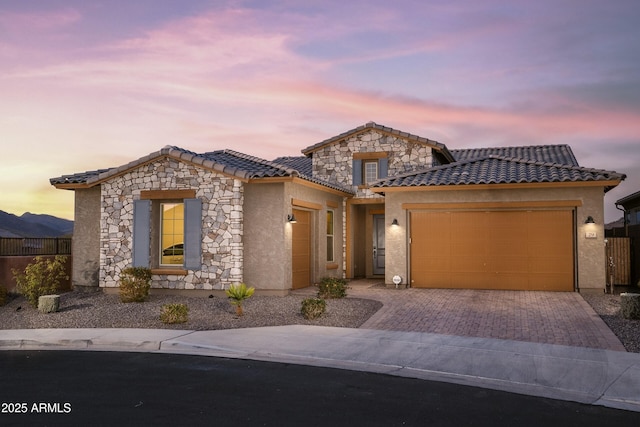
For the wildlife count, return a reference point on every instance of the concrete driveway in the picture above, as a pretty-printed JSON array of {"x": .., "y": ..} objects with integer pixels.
[{"x": 563, "y": 318}]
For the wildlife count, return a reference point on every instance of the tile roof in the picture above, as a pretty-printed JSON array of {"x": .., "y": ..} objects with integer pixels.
[
  {"x": 441, "y": 149},
  {"x": 229, "y": 162},
  {"x": 77, "y": 178},
  {"x": 302, "y": 164},
  {"x": 561, "y": 154},
  {"x": 498, "y": 170}
]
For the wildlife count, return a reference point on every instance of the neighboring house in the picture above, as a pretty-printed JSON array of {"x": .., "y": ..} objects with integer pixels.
[
  {"x": 371, "y": 202},
  {"x": 631, "y": 208},
  {"x": 626, "y": 261}
]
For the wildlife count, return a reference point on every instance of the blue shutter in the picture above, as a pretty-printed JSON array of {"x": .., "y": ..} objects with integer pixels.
[
  {"x": 383, "y": 165},
  {"x": 141, "y": 232},
  {"x": 192, "y": 234},
  {"x": 357, "y": 172}
]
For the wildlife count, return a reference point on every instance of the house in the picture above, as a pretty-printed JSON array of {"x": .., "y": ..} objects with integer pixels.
[{"x": 371, "y": 202}]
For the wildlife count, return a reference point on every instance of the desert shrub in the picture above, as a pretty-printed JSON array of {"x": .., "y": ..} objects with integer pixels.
[
  {"x": 312, "y": 308},
  {"x": 3, "y": 295},
  {"x": 237, "y": 294},
  {"x": 44, "y": 276},
  {"x": 174, "y": 313},
  {"x": 332, "y": 287},
  {"x": 135, "y": 284}
]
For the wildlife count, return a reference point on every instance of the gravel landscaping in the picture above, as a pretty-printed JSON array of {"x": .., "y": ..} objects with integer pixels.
[
  {"x": 99, "y": 310},
  {"x": 608, "y": 308}
]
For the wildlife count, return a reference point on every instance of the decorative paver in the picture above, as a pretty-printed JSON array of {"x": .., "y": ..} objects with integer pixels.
[{"x": 563, "y": 318}]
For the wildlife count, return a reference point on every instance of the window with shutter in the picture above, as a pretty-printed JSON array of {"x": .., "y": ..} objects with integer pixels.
[{"x": 167, "y": 230}]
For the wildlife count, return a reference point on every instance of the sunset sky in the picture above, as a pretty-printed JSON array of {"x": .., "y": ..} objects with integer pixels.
[{"x": 88, "y": 84}]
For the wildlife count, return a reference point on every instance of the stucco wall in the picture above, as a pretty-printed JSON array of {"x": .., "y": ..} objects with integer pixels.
[
  {"x": 320, "y": 267},
  {"x": 267, "y": 234},
  {"x": 266, "y": 256},
  {"x": 590, "y": 251},
  {"x": 222, "y": 216},
  {"x": 86, "y": 238}
]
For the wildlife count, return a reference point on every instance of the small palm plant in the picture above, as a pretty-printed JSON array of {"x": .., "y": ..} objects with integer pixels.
[{"x": 237, "y": 294}]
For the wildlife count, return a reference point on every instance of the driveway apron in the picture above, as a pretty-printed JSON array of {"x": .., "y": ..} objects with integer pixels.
[{"x": 563, "y": 318}]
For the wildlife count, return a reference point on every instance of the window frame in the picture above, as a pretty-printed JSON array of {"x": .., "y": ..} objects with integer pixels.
[
  {"x": 366, "y": 179},
  {"x": 146, "y": 231},
  {"x": 330, "y": 233},
  {"x": 161, "y": 235},
  {"x": 359, "y": 165}
]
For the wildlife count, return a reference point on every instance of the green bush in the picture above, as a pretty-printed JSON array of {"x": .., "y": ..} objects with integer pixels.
[
  {"x": 135, "y": 284},
  {"x": 44, "y": 276},
  {"x": 237, "y": 294},
  {"x": 174, "y": 313},
  {"x": 312, "y": 308},
  {"x": 3, "y": 295},
  {"x": 332, "y": 287}
]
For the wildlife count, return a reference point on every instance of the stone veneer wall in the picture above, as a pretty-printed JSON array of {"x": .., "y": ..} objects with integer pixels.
[
  {"x": 333, "y": 162},
  {"x": 222, "y": 199}
]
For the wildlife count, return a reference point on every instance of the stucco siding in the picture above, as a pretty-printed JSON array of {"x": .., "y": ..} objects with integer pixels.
[
  {"x": 86, "y": 239},
  {"x": 324, "y": 201},
  {"x": 266, "y": 258}
]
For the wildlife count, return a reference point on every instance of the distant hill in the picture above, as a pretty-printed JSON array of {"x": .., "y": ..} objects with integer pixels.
[{"x": 32, "y": 225}]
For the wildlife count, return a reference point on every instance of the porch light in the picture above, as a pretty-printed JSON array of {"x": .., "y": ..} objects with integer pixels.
[
  {"x": 589, "y": 220},
  {"x": 291, "y": 218},
  {"x": 395, "y": 222}
]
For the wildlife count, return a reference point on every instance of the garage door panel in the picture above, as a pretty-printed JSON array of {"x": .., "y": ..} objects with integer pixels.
[{"x": 530, "y": 250}]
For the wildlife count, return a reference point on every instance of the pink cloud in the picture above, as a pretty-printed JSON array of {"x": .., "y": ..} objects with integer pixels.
[{"x": 19, "y": 24}]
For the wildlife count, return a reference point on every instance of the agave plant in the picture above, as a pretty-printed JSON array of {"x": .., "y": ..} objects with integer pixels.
[{"x": 237, "y": 294}]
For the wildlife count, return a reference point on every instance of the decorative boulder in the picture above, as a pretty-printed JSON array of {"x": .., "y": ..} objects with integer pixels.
[
  {"x": 630, "y": 305},
  {"x": 49, "y": 303}
]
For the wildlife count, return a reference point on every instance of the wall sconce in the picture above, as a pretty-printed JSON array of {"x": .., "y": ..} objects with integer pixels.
[
  {"x": 291, "y": 218},
  {"x": 395, "y": 222},
  {"x": 589, "y": 220}
]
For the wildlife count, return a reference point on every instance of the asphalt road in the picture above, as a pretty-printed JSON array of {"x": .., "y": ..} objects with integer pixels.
[{"x": 103, "y": 388}]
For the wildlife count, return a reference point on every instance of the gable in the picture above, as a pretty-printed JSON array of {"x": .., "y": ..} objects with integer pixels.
[{"x": 375, "y": 129}]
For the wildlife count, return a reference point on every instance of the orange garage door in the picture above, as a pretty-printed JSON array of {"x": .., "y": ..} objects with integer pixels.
[{"x": 524, "y": 250}]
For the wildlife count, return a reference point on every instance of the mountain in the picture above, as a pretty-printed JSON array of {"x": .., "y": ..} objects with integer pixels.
[{"x": 32, "y": 225}]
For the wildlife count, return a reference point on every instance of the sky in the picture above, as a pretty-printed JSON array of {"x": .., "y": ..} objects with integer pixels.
[{"x": 88, "y": 84}]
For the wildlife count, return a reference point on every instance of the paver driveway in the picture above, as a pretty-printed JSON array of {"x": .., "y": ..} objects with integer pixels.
[{"x": 546, "y": 317}]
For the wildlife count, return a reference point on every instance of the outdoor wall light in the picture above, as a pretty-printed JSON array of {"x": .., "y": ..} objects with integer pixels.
[
  {"x": 291, "y": 218},
  {"x": 394, "y": 222},
  {"x": 589, "y": 220}
]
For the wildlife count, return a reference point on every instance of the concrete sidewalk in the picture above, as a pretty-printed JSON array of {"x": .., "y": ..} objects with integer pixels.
[{"x": 587, "y": 375}]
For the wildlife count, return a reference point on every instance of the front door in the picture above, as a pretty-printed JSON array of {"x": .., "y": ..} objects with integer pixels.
[
  {"x": 301, "y": 249},
  {"x": 378, "y": 244}
]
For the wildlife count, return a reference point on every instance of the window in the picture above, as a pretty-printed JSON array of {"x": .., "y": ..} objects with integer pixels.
[
  {"x": 369, "y": 167},
  {"x": 330, "y": 236},
  {"x": 167, "y": 230},
  {"x": 370, "y": 171},
  {"x": 171, "y": 234}
]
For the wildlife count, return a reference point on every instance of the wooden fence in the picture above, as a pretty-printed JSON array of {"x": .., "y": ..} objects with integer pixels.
[
  {"x": 18, "y": 246},
  {"x": 618, "y": 260}
]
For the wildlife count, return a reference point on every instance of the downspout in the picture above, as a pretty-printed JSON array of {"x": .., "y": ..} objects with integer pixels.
[{"x": 624, "y": 219}]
